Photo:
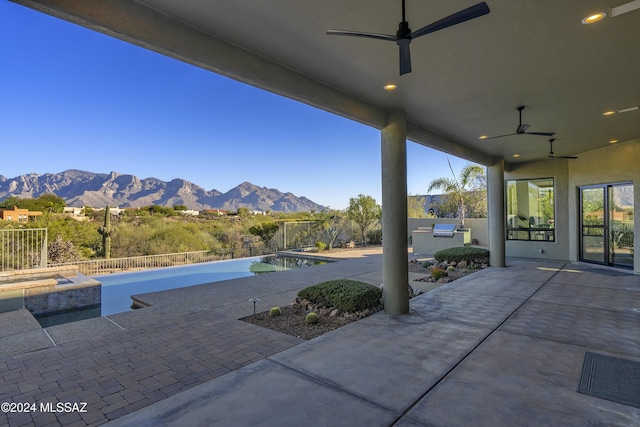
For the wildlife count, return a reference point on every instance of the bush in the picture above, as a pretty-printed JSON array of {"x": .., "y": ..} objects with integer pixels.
[
  {"x": 320, "y": 246},
  {"x": 275, "y": 311},
  {"x": 374, "y": 237},
  {"x": 347, "y": 295},
  {"x": 438, "y": 273},
  {"x": 465, "y": 253},
  {"x": 312, "y": 318}
]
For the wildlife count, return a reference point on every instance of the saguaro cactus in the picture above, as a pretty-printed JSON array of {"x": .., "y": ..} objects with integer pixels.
[{"x": 107, "y": 231}]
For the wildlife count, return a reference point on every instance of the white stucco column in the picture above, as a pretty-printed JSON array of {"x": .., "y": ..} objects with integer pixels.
[
  {"x": 496, "y": 212},
  {"x": 395, "y": 267}
]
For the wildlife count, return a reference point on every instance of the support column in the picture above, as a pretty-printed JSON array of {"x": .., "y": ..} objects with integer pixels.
[
  {"x": 496, "y": 212},
  {"x": 395, "y": 266}
]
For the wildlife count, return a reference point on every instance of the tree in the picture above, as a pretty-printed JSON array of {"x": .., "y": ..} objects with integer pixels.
[
  {"x": 243, "y": 211},
  {"x": 415, "y": 207},
  {"x": 471, "y": 178},
  {"x": 11, "y": 201},
  {"x": 363, "y": 210},
  {"x": 61, "y": 250},
  {"x": 45, "y": 203},
  {"x": 265, "y": 230}
]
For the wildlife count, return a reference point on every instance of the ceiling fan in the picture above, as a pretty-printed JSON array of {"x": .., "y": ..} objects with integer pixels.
[
  {"x": 404, "y": 35},
  {"x": 553, "y": 156},
  {"x": 522, "y": 128}
]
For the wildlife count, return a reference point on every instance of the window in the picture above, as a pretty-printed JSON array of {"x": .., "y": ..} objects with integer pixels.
[{"x": 530, "y": 209}]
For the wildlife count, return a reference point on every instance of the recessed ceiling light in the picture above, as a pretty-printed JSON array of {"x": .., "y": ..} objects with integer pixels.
[
  {"x": 390, "y": 86},
  {"x": 594, "y": 17},
  {"x": 516, "y": 155},
  {"x": 609, "y": 113},
  {"x": 483, "y": 137},
  {"x": 613, "y": 141}
]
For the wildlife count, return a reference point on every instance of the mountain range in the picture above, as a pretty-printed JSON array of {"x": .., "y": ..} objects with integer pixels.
[{"x": 79, "y": 188}]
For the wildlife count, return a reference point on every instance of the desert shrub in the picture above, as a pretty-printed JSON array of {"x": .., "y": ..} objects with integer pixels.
[
  {"x": 438, "y": 273},
  {"x": 275, "y": 311},
  {"x": 426, "y": 264},
  {"x": 465, "y": 253},
  {"x": 320, "y": 246},
  {"x": 374, "y": 237},
  {"x": 347, "y": 295},
  {"x": 451, "y": 268},
  {"x": 312, "y": 318}
]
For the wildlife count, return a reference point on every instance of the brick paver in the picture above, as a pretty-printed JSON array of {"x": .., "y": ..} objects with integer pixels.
[{"x": 124, "y": 371}]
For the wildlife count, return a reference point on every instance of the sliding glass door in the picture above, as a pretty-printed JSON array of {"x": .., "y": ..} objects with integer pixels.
[{"x": 606, "y": 223}]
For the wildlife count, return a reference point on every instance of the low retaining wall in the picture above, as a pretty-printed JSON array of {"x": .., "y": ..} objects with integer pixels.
[{"x": 425, "y": 243}]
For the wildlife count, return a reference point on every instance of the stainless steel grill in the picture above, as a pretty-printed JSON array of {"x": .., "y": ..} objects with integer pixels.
[{"x": 443, "y": 230}]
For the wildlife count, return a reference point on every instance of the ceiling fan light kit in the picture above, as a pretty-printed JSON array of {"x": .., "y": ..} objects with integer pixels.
[{"x": 404, "y": 35}]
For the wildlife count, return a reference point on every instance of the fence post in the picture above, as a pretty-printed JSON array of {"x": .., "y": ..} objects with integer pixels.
[{"x": 44, "y": 254}]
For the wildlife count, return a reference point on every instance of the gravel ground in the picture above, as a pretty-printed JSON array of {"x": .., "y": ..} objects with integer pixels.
[{"x": 292, "y": 321}]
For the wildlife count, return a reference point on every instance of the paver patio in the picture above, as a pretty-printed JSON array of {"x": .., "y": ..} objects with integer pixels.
[{"x": 499, "y": 347}]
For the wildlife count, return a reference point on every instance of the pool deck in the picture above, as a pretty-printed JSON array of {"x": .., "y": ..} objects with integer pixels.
[{"x": 503, "y": 346}]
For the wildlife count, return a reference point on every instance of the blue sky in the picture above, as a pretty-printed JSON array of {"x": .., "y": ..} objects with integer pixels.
[{"x": 71, "y": 98}]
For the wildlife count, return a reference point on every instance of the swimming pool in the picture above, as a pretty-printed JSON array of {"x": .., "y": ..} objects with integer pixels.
[{"x": 118, "y": 288}]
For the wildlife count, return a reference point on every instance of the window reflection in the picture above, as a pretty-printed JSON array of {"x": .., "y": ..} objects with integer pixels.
[{"x": 530, "y": 209}]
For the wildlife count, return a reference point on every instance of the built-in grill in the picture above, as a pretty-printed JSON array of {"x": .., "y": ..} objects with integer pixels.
[{"x": 443, "y": 230}]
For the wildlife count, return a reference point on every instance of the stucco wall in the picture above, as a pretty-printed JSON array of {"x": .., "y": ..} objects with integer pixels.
[
  {"x": 478, "y": 226},
  {"x": 614, "y": 164},
  {"x": 558, "y": 249}
]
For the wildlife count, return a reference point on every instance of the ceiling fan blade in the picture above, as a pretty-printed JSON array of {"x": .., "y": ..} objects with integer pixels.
[
  {"x": 405, "y": 59},
  {"x": 499, "y": 136},
  {"x": 385, "y": 37},
  {"x": 562, "y": 157},
  {"x": 540, "y": 133},
  {"x": 553, "y": 156},
  {"x": 457, "y": 18}
]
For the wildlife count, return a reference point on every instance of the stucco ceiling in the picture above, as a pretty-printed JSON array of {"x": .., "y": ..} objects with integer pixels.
[{"x": 467, "y": 80}]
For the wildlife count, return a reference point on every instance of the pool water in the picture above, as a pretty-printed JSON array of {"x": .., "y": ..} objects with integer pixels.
[{"x": 118, "y": 288}]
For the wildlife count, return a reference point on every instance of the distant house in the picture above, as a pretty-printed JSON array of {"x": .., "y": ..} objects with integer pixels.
[
  {"x": 190, "y": 212},
  {"x": 115, "y": 211},
  {"x": 74, "y": 212},
  {"x": 18, "y": 215},
  {"x": 218, "y": 212}
]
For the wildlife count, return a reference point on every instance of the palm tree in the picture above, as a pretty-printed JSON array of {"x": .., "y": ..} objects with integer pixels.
[{"x": 457, "y": 187}]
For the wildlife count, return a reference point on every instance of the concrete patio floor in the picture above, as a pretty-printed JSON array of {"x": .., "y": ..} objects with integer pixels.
[{"x": 503, "y": 346}]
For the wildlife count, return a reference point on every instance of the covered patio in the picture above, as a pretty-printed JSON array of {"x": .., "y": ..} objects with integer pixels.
[
  {"x": 504, "y": 346},
  {"x": 577, "y": 81}
]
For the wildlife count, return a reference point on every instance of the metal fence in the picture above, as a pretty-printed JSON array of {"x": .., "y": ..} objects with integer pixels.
[
  {"x": 22, "y": 249},
  {"x": 97, "y": 267}
]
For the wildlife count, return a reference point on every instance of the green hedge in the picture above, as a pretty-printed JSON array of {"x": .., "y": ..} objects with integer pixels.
[
  {"x": 462, "y": 254},
  {"x": 347, "y": 295}
]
